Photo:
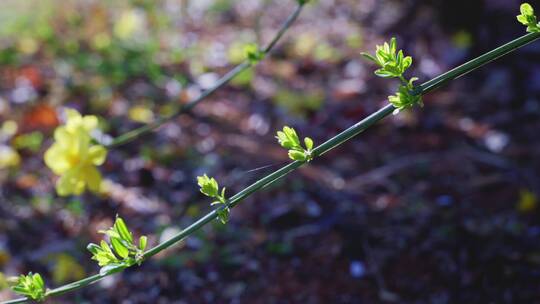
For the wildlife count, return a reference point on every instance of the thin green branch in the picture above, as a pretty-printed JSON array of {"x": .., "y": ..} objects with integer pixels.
[
  {"x": 330, "y": 144},
  {"x": 476, "y": 63},
  {"x": 133, "y": 134}
]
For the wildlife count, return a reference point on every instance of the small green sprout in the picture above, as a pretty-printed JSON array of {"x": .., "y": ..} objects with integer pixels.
[
  {"x": 528, "y": 18},
  {"x": 31, "y": 285},
  {"x": 124, "y": 252},
  {"x": 253, "y": 53},
  {"x": 404, "y": 99},
  {"x": 288, "y": 139},
  {"x": 209, "y": 187},
  {"x": 393, "y": 64}
]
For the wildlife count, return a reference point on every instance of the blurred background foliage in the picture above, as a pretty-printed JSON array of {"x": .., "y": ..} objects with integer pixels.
[{"x": 437, "y": 205}]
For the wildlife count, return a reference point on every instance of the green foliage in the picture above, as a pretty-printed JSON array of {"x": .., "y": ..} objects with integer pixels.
[
  {"x": 404, "y": 99},
  {"x": 288, "y": 139},
  {"x": 31, "y": 285},
  {"x": 31, "y": 141},
  {"x": 528, "y": 18},
  {"x": 124, "y": 252},
  {"x": 253, "y": 53},
  {"x": 209, "y": 187},
  {"x": 393, "y": 64}
]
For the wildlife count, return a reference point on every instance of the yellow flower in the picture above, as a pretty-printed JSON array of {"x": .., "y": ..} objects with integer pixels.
[
  {"x": 129, "y": 23},
  {"x": 75, "y": 121},
  {"x": 8, "y": 157},
  {"x": 74, "y": 157}
]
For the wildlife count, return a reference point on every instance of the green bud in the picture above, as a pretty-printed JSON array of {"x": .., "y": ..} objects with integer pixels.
[
  {"x": 288, "y": 139},
  {"x": 297, "y": 155},
  {"x": 309, "y": 143},
  {"x": 253, "y": 53},
  {"x": 528, "y": 18},
  {"x": 209, "y": 186},
  {"x": 404, "y": 98},
  {"x": 31, "y": 286},
  {"x": 142, "y": 242},
  {"x": 392, "y": 62},
  {"x": 124, "y": 252}
]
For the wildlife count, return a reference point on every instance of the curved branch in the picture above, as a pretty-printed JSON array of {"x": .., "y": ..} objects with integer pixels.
[{"x": 330, "y": 144}]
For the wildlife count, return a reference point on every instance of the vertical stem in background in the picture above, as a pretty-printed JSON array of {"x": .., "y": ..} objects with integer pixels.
[{"x": 133, "y": 134}]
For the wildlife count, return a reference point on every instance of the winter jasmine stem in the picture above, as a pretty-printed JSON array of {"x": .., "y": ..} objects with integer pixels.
[{"x": 330, "y": 144}]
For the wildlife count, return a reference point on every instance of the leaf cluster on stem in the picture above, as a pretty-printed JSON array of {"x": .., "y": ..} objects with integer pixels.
[{"x": 124, "y": 252}]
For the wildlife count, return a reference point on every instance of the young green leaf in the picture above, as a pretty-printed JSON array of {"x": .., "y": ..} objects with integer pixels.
[
  {"x": 297, "y": 155},
  {"x": 213, "y": 192},
  {"x": 121, "y": 250},
  {"x": 223, "y": 215},
  {"x": 284, "y": 140},
  {"x": 288, "y": 139},
  {"x": 125, "y": 252},
  {"x": 31, "y": 285},
  {"x": 208, "y": 186},
  {"x": 121, "y": 228},
  {"x": 392, "y": 62},
  {"x": 253, "y": 53},
  {"x": 528, "y": 18},
  {"x": 526, "y": 9},
  {"x": 309, "y": 143},
  {"x": 404, "y": 98},
  {"x": 142, "y": 242},
  {"x": 93, "y": 248}
]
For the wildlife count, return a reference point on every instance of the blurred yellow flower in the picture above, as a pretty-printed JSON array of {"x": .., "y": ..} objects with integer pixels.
[
  {"x": 129, "y": 23},
  {"x": 67, "y": 268},
  {"x": 28, "y": 46},
  {"x": 74, "y": 157},
  {"x": 75, "y": 121},
  {"x": 527, "y": 201},
  {"x": 141, "y": 114},
  {"x": 8, "y": 157},
  {"x": 9, "y": 128},
  {"x": 101, "y": 41}
]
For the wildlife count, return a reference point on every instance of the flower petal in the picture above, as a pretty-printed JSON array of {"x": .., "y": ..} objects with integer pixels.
[
  {"x": 89, "y": 122},
  {"x": 72, "y": 115},
  {"x": 55, "y": 158},
  {"x": 97, "y": 155},
  {"x": 92, "y": 178},
  {"x": 63, "y": 137},
  {"x": 70, "y": 183}
]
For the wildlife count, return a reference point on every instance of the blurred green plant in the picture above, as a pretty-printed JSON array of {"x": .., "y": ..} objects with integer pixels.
[
  {"x": 253, "y": 53},
  {"x": 31, "y": 141}
]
